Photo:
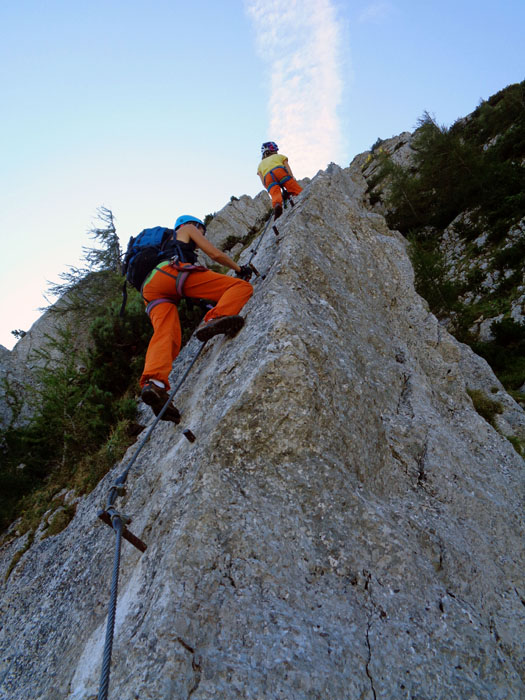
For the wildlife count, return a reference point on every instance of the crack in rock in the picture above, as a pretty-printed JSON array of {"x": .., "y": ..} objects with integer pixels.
[
  {"x": 197, "y": 669},
  {"x": 367, "y": 666}
]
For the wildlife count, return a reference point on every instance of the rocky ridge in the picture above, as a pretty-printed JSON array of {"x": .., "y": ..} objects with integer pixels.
[
  {"x": 345, "y": 526},
  {"x": 462, "y": 259}
]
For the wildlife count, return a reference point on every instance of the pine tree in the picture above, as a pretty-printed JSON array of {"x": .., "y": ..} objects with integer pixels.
[{"x": 86, "y": 289}]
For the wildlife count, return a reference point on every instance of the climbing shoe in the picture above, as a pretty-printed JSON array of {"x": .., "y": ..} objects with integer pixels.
[
  {"x": 277, "y": 211},
  {"x": 156, "y": 397},
  {"x": 229, "y": 325}
]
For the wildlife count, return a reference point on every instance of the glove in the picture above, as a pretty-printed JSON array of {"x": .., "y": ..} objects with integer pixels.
[{"x": 245, "y": 272}]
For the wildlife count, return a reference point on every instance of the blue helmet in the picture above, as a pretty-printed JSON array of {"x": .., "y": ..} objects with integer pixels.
[
  {"x": 269, "y": 147},
  {"x": 186, "y": 219}
]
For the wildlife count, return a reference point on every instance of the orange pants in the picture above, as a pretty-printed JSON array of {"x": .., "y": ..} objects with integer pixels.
[
  {"x": 292, "y": 186},
  {"x": 230, "y": 293}
]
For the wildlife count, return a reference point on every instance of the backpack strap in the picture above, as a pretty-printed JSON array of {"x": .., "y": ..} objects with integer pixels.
[{"x": 124, "y": 298}]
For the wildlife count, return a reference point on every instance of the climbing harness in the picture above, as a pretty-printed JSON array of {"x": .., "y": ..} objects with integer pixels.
[
  {"x": 276, "y": 180},
  {"x": 183, "y": 270},
  {"x": 118, "y": 521}
]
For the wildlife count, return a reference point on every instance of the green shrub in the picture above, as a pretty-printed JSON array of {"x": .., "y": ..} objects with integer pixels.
[
  {"x": 517, "y": 444},
  {"x": 59, "y": 520},
  {"x": 511, "y": 256},
  {"x": 509, "y": 333},
  {"x": 475, "y": 166},
  {"x": 454, "y": 172},
  {"x": 486, "y": 408},
  {"x": 475, "y": 277},
  {"x": 430, "y": 271},
  {"x": 230, "y": 242},
  {"x": 374, "y": 198},
  {"x": 16, "y": 558}
]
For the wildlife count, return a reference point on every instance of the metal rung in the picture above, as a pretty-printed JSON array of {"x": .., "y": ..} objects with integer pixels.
[{"x": 126, "y": 534}]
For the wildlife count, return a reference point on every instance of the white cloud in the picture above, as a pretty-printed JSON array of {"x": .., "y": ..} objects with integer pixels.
[
  {"x": 300, "y": 42},
  {"x": 376, "y": 12}
]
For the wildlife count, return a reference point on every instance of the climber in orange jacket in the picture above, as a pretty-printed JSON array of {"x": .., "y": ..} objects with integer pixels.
[
  {"x": 275, "y": 173},
  {"x": 161, "y": 295}
]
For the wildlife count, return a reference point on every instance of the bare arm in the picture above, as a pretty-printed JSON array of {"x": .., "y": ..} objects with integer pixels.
[
  {"x": 211, "y": 251},
  {"x": 286, "y": 166}
]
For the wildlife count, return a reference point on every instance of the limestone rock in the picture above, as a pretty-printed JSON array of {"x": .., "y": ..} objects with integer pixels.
[
  {"x": 399, "y": 149},
  {"x": 345, "y": 526},
  {"x": 17, "y": 365},
  {"x": 13, "y": 375},
  {"x": 55, "y": 319},
  {"x": 235, "y": 220}
]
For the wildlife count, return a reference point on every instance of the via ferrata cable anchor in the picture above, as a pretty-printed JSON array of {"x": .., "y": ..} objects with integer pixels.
[{"x": 108, "y": 517}]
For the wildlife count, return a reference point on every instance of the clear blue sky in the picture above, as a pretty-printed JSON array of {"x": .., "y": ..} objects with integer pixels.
[{"x": 159, "y": 108}]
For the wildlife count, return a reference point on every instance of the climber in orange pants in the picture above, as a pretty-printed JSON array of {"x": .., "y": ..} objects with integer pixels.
[
  {"x": 275, "y": 173},
  {"x": 163, "y": 288},
  {"x": 230, "y": 293}
]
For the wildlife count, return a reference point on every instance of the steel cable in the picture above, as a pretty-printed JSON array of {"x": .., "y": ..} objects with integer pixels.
[
  {"x": 118, "y": 522},
  {"x": 112, "y": 608}
]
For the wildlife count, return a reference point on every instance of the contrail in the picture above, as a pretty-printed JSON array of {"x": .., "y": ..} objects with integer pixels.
[{"x": 300, "y": 41}]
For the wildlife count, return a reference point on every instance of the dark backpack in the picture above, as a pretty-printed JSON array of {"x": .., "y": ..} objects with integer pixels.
[{"x": 144, "y": 252}]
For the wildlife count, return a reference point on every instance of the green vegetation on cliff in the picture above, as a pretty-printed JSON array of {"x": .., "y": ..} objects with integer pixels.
[{"x": 468, "y": 182}]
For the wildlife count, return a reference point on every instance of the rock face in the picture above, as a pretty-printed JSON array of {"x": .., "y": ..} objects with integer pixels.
[
  {"x": 17, "y": 365},
  {"x": 475, "y": 265},
  {"x": 345, "y": 526},
  {"x": 237, "y": 217},
  {"x": 11, "y": 374}
]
